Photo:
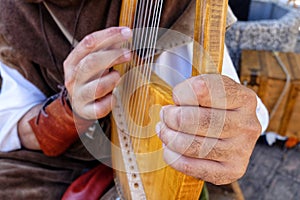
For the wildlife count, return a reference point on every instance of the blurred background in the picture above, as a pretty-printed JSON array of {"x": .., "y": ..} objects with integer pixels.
[{"x": 264, "y": 46}]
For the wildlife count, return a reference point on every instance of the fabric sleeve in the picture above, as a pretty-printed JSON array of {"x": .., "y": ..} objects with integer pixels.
[{"x": 17, "y": 96}]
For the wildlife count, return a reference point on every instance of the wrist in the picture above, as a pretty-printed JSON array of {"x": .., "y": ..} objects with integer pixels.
[{"x": 26, "y": 136}]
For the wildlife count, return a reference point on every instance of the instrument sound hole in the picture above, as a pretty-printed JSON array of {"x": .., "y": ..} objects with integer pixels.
[
  {"x": 130, "y": 159},
  {"x": 132, "y": 167},
  {"x": 133, "y": 175},
  {"x": 136, "y": 185}
]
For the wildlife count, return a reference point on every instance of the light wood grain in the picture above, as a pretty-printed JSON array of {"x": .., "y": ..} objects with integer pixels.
[{"x": 160, "y": 181}]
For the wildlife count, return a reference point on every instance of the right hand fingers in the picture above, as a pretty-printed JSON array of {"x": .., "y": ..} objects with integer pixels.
[
  {"x": 98, "y": 109},
  {"x": 98, "y": 88},
  {"x": 103, "y": 39},
  {"x": 95, "y": 64},
  {"x": 87, "y": 63},
  {"x": 94, "y": 100}
]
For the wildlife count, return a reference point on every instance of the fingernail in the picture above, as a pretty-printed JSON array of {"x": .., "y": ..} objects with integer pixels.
[
  {"x": 158, "y": 128},
  {"x": 126, "y": 32}
]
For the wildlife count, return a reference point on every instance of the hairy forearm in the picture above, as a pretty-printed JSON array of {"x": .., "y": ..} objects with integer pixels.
[{"x": 26, "y": 135}]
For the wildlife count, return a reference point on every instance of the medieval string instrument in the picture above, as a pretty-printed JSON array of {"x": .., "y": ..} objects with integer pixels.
[{"x": 137, "y": 152}]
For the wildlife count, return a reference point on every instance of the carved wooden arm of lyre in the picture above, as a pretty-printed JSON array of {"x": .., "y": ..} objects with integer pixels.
[{"x": 209, "y": 34}]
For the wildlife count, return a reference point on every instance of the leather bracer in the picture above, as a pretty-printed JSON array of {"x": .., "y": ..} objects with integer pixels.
[{"x": 56, "y": 127}]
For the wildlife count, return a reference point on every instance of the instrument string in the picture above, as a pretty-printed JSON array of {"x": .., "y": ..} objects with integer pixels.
[
  {"x": 143, "y": 51},
  {"x": 127, "y": 78},
  {"x": 128, "y": 23},
  {"x": 155, "y": 25},
  {"x": 125, "y": 21},
  {"x": 133, "y": 80},
  {"x": 150, "y": 50},
  {"x": 145, "y": 24}
]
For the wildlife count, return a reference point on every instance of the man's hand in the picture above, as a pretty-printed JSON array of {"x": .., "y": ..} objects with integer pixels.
[
  {"x": 87, "y": 76},
  {"x": 211, "y": 130}
]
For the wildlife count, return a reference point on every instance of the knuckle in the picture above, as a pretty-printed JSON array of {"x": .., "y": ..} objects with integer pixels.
[
  {"x": 102, "y": 109},
  {"x": 216, "y": 181},
  {"x": 68, "y": 84},
  {"x": 164, "y": 135},
  {"x": 89, "y": 93},
  {"x": 228, "y": 126},
  {"x": 249, "y": 97},
  {"x": 193, "y": 148},
  {"x": 106, "y": 86},
  {"x": 112, "y": 31},
  {"x": 66, "y": 64},
  {"x": 230, "y": 83},
  {"x": 115, "y": 76},
  {"x": 199, "y": 88},
  {"x": 85, "y": 96},
  {"x": 238, "y": 172},
  {"x": 255, "y": 128},
  {"x": 89, "y": 41},
  {"x": 172, "y": 117},
  {"x": 223, "y": 178},
  {"x": 186, "y": 168},
  {"x": 119, "y": 57},
  {"x": 252, "y": 127},
  {"x": 206, "y": 117},
  {"x": 88, "y": 62},
  {"x": 69, "y": 74},
  {"x": 77, "y": 108},
  {"x": 178, "y": 120},
  {"x": 217, "y": 153},
  {"x": 101, "y": 86},
  {"x": 216, "y": 178},
  {"x": 240, "y": 125}
]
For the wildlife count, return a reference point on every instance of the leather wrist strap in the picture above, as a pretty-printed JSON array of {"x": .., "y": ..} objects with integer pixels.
[{"x": 56, "y": 127}]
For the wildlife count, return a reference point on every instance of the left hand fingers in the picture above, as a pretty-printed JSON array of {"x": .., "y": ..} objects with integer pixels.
[
  {"x": 214, "y": 91},
  {"x": 202, "y": 147},
  {"x": 207, "y": 122},
  {"x": 207, "y": 170}
]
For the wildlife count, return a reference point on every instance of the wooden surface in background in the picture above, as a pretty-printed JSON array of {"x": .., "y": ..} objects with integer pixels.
[{"x": 261, "y": 71}]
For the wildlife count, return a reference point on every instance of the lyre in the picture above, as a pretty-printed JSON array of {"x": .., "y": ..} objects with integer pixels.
[{"x": 137, "y": 157}]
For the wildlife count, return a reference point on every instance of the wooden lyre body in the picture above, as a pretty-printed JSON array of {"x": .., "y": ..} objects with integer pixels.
[{"x": 137, "y": 152}]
